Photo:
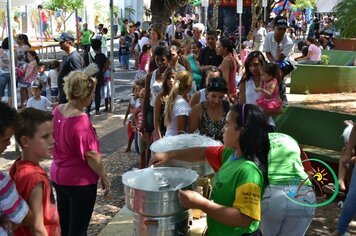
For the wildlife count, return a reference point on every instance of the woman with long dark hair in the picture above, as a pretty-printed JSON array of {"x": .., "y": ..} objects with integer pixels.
[
  {"x": 251, "y": 80},
  {"x": 228, "y": 66},
  {"x": 241, "y": 173}
]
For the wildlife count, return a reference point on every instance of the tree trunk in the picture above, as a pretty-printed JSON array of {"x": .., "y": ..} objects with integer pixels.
[
  {"x": 213, "y": 23},
  {"x": 162, "y": 10},
  {"x": 256, "y": 10}
]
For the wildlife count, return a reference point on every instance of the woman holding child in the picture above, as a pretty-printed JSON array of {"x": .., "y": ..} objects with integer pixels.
[
  {"x": 251, "y": 81},
  {"x": 77, "y": 164}
]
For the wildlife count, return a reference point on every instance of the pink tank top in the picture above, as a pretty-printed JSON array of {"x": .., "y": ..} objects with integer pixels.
[{"x": 232, "y": 76}]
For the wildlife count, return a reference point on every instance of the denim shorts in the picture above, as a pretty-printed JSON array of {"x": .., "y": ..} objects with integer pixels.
[
  {"x": 5, "y": 80},
  {"x": 124, "y": 60},
  {"x": 54, "y": 92}
]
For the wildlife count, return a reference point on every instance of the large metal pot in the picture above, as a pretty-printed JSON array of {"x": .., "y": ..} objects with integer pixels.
[
  {"x": 154, "y": 191},
  {"x": 176, "y": 225}
]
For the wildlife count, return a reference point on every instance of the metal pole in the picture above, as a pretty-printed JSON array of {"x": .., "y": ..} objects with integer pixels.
[
  {"x": 172, "y": 29},
  {"x": 264, "y": 5},
  {"x": 12, "y": 62},
  {"x": 206, "y": 16},
  {"x": 240, "y": 30},
  {"x": 41, "y": 31},
  {"x": 12, "y": 56},
  {"x": 112, "y": 101}
]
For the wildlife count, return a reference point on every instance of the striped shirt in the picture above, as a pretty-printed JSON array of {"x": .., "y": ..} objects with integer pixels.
[{"x": 11, "y": 204}]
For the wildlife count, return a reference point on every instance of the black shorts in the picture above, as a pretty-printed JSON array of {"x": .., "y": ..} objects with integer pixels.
[{"x": 149, "y": 120}]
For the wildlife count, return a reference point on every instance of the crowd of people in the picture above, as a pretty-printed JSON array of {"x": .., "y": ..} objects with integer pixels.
[{"x": 192, "y": 82}]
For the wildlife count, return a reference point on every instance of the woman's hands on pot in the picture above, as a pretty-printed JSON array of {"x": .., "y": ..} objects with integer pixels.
[
  {"x": 191, "y": 199},
  {"x": 159, "y": 159}
]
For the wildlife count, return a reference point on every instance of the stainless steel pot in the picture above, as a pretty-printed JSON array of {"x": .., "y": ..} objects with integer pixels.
[
  {"x": 154, "y": 191},
  {"x": 176, "y": 225}
]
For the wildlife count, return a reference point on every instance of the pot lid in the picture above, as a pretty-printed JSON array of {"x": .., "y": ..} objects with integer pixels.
[
  {"x": 159, "y": 178},
  {"x": 183, "y": 141}
]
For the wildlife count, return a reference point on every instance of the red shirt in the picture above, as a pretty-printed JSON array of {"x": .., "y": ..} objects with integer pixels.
[
  {"x": 26, "y": 176},
  {"x": 44, "y": 16}
]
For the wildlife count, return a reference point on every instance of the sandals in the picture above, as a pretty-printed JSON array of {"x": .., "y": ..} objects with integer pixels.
[{"x": 330, "y": 189}]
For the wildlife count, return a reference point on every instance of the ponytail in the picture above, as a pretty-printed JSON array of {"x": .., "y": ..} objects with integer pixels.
[
  {"x": 182, "y": 84},
  {"x": 170, "y": 103}
]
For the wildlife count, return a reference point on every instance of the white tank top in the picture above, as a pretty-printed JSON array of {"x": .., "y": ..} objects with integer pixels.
[
  {"x": 202, "y": 95},
  {"x": 155, "y": 88},
  {"x": 251, "y": 96}
]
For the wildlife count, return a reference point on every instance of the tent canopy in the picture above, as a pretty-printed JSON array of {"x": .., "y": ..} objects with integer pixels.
[
  {"x": 325, "y": 6},
  {"x": 17, "y": 3}
]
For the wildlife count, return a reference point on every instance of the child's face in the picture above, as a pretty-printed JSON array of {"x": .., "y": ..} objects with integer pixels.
[
  {"x": 265, "y": 77},
  {"x": 41, "y": 144},
  {"x": 40, "y": 69},
  {"x": 170, "y": 80},
  {"x": 30, "y": 57},
  {"x": 36, "y": 92},
  {"x": 5, "y": 138},
  {"x": 137, "y": 91}
]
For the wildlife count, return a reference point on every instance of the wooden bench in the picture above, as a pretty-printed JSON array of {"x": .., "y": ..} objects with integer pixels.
[{"x": 317, "y": 131}]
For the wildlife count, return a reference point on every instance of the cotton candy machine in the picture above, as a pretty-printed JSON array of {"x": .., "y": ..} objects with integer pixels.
[{"x": 152, "y": 194}]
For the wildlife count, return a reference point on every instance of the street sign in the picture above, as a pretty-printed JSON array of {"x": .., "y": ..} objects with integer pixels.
[
  {"x": 205, "y": 3},
  {"x": 239, "y": 6},
  {"x": 264, "y": 3}
]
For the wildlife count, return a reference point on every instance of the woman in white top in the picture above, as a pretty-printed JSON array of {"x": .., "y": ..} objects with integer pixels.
[
  {"x": 177, "y": 108},
  {"x": 314, "y": 53},
  {"x": 23, "y": 45},
  {"x": 153, "y": 85},
  {"x": 251, "y": 80},
  {"x": 259, "y": 36}
]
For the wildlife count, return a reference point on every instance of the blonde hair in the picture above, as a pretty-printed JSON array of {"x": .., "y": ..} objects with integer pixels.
[
  {"x": 182, "y": 84},
  {"x": 78, "y": 85}
]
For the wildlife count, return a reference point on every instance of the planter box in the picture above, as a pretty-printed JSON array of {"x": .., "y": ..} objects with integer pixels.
[
  {"x": 323, "y": 79},
  {"x": 333, "y": 78},
  {"x": 345, "y": 44}
]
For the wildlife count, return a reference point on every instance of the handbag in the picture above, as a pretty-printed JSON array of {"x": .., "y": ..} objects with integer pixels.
[{"x": 92, "y": 69}]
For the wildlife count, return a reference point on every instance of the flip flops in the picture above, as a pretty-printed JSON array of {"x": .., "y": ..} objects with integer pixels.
[{"x": 330, "y": 189}]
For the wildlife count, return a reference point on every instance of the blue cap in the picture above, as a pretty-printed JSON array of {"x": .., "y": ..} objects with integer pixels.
[{"x": 65, "y": 36}]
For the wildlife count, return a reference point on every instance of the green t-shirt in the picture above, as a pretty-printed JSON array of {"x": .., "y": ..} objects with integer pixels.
[
  {"x": 104, "y": 40},
  {"x": 284, "y": 162},
  {"x": 237, "y": 184},
  {"x": 86, "y": 35},
  {"x": 197, "y": 75}
]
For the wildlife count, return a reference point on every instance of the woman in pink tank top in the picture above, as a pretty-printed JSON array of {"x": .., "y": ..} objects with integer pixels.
[{"x": 228, "y": 66}]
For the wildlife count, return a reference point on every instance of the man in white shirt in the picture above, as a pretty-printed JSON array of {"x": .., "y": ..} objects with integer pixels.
[{"x": 278, "y": 46}]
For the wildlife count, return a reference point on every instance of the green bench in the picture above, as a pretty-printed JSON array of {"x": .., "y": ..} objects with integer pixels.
[
  {"x": 317, "y": 131},
  {"x": 336, "y": 77}
]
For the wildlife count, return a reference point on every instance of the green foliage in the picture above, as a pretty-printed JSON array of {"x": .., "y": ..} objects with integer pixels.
[
  {"x": 302, "y": 4},
  {"x": 68, "y": 5},
  {"x": 130, "y": 13},
  {"x": 345, "y": 12},
  {"x": 325, "y": 59}
]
